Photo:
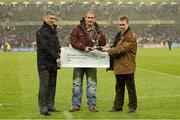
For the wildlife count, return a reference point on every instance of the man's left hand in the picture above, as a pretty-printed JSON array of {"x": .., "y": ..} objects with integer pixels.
[
  {"x": 105, "y": 48},
  {"x": 58, "y": 61}
]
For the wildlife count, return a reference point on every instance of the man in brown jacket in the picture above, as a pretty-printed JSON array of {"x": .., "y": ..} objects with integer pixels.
[
  {"x": 123, "y": 53},
  {"x": 86, "y": 37}
]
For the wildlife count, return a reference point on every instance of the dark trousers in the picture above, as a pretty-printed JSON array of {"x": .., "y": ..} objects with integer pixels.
[
  {"x": 47, "y": 89},
  {"x": 121, "y": 81}
]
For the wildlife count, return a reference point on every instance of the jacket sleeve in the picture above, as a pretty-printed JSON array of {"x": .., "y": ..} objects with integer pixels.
[
  {"x": 42, "y": 44},
  {"x": 122, "y": 47},
  {"x": 102, "y": 40},
  {"x": 74, "y": 39}
]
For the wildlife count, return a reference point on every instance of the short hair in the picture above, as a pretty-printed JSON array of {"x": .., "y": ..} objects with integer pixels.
[
  {"x": 89, "y": 12},
  {"x": 49, "y": 12},
  {"x": 124, "y": 18}
]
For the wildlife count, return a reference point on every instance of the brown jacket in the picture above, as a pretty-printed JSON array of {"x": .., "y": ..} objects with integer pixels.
[
  {"x": 80, "y": 40},
  {"x": 126, "y": 47}
]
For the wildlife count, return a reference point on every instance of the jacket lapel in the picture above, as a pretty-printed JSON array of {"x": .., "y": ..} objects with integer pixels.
[
  {"x": 123, "y": 37},
  {"x": 121, "y": 40}
]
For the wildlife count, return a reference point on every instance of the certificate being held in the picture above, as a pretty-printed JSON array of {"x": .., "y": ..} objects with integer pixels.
[{"x": 71, "y": 57}]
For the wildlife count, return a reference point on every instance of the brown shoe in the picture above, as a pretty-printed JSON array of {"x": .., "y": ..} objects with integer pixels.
[
  {"x": 93, "y": 109},
  {"x": 73, "y": 109}
]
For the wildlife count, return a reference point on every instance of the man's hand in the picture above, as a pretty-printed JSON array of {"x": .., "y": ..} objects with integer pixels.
[
  {"x": 105, "y": 48},
  {"x": 88, "y": 49},
  {"x": 58, "y": 61},
  {"x": 107, "y": 45}
]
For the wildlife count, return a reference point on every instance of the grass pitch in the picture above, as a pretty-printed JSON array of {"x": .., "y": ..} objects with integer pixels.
[{"x": 157, "y": 83}]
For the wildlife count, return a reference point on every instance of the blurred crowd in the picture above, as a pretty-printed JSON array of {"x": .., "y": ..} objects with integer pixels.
[
  {"x": 24, "y": 35},
  {"x": 104, "y": 11}
]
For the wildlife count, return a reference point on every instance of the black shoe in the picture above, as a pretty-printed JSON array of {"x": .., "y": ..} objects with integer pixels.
[
  {"x": 45, "y": 113},
  {"x": 54, "y": 110},
  {"x": 115, "y": 110},
  {"x": 131, "y": 110}
]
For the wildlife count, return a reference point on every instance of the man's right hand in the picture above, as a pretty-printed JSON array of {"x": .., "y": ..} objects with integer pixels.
[{"x": 88, "y": 49}]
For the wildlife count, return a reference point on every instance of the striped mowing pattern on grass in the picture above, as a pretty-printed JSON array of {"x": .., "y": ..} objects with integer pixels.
[{"x": 157, "y": 82}]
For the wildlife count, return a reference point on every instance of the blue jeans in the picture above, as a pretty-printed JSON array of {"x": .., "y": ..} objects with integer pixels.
[{"x": 91, "y": 78}]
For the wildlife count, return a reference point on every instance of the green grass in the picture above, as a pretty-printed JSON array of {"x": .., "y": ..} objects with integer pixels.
[{"x": 157, "y": 83}]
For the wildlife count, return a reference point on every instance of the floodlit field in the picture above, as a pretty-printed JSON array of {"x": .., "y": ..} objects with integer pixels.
[{"x": 157, "y": 82}]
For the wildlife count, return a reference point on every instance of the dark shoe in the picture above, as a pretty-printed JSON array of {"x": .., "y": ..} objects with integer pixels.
[
  {"x": 54, "y": 110},
  {"x": 131, "y": 110},
  {"x": 45, "y": 113},
  {"x": 73, "y": 109},
  {"x": 115, "y": 110},
  {"x": 93, "y": 109}
]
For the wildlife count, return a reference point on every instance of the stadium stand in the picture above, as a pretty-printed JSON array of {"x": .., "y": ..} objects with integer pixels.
[{"x": 152, "y": 23}]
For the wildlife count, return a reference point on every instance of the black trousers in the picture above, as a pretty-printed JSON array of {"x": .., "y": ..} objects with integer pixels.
[
  {"x": 47, "y": 89},
  {"x": 121, "y": 81}
]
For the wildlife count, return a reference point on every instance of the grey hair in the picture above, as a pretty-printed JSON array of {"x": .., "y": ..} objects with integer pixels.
[
  {"x": 49, "y": 12},
  {"x": 89, "y": 12}
]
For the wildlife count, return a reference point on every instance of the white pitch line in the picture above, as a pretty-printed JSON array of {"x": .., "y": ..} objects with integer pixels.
[
  {"x": 162, "y": 96},
  {"x": 68, "y": 115},
  {"x": 160, "y": 73}
]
